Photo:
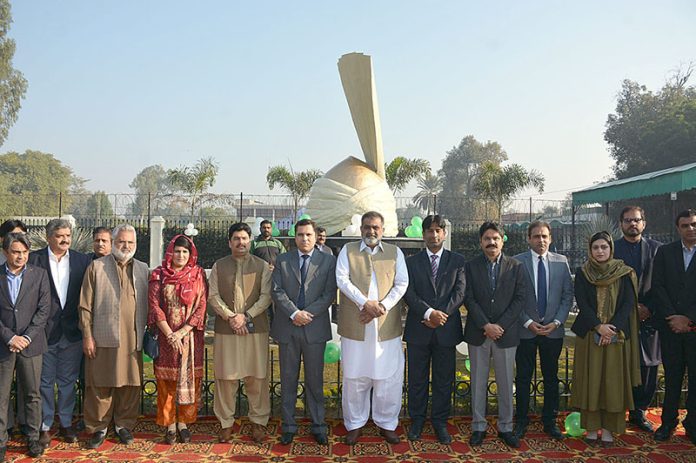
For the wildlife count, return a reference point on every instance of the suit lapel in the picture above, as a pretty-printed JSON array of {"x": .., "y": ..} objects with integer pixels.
[
  {"x": 313, "y": 265},
  {"x": 4, "y": 288},
  {"x": 295, "y": 266},
  {"x": 26, "y": 280}
]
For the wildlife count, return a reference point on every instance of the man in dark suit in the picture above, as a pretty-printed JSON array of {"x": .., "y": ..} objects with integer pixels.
[
  {"x": 542, "y": 327},
  {"x": 321, "y": 241},
  {"x": 496, "y": 293},
  {"x": 304, "y": 286},
  {"x": 24, "y": 309},
  {"x": 435, "y": 293},
  {"x": 638, "y": 252},
  {"x": 101, "y": 243},
  {"x": 673, "y": 283},
  {"x": 61, "y": 362}
]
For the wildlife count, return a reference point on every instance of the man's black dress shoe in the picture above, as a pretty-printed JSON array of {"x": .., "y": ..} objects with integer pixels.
[
  {"x": 520, "y": 430},
  {"x": 637, "y": 418},
  {"x": 442, "y": 435},
  {"x": 287, "y": 437},
  {"x": 477, "y": 437},
  {"x": 414, "y": 432},
  {"x": 125, "y": 436},
  {"x": 96, "y": 440},
  {"x": 321, "y": 438},
  {"x": 509, "y": 439},
  {"x": 554, "y": 431},
  {"x": 35, "y": 449},
  {"x": 663, "y": 433}
]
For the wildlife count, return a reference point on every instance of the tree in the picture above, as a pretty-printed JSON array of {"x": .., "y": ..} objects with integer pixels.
[
  {"x": 13, "y": 85},
  {"x": 297, "y": 184},
  {"x": 151, "y": 181},
  {"x": 401, "y": 170},
  {"x": 653, "y": 131},
  {"x": 429, "y": 185},
  {"x": 95, "y": 205},
  {"x": 33, "y": 183},
  {"x": 459, "y": 171},
  {"x": 498, "y": 184},
  {"x": 195, "y": 180}
]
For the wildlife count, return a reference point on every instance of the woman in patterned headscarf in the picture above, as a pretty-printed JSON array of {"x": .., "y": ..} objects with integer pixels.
[
  {"x": 606, "y": 365},
  {"x": 177, "y": 297}
]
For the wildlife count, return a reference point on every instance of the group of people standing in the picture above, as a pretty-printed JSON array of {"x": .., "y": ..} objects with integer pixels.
[{"x": 65, "y": 315}]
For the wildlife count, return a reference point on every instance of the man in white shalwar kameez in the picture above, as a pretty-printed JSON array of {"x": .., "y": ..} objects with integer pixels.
[{"x": 372, "y": 277}]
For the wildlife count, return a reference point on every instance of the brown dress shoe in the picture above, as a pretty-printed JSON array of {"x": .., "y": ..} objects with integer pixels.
[
  {"x": 68, "y": 434},
  {"x": 258, "y": 432},
  {"x": 352, "y": 436},
  {"x": 390, "y": 436},
  {"x": 45, "y": 438},
  {"x": 226, "y": 434}
]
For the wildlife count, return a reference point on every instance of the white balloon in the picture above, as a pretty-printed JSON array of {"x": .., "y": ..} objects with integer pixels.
[
  {"x": 463, "y": 348},
  {"x": 335, "y": 337}
]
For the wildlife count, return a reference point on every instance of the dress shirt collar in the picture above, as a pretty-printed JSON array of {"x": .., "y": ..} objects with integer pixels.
[
  {"x": 300, "y": 253},
  {"x": 438, "y": 253},
  {"x": 54, "y": 258},
  {"x": 13, "y": 275},
  {"x": 372, "y": 251},
  {"x": 535, "y": 256}
]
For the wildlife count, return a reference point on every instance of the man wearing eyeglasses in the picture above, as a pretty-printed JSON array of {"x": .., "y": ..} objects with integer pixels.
[{"x": 638, "y": 252}]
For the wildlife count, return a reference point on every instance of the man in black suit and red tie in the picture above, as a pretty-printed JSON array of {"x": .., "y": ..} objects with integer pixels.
[
  {"x": 673, "y": 283},
  {"x": 433, "y": 327}
]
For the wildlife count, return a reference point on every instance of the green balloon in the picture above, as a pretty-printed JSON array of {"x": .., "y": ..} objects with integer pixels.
[
  {"x": 411, "y": 232},
  {"x": 416, "y": 221},
  {"x": 291, "y": 231},
  {"x": 146, "y": 358},
  {"x": 504, "y": 238},
  {"x": 332, "y": 353},
  {"x": 467, "y": 365},
  {"x": 572, "y": 425},
  {"x": 304, "y": 216},
  {"x": 274, "y": 229}
]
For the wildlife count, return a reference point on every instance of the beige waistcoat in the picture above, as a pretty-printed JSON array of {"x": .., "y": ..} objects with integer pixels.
[
  {"x": 251, "y": 291},
  {"x": 361, "y": 265}
]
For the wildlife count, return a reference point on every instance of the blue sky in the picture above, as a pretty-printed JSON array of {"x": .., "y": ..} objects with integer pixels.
[{"x": 116, "y": 86}]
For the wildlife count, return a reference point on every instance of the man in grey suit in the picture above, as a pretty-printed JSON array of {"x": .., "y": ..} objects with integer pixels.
[
  {"x": 25, "y": 304},
  {"x": 321, "y": 241},
  {"x": 497, "y": 290},
  {"x": 304, "y": 286},
  {"x": 542, "y": 327}
]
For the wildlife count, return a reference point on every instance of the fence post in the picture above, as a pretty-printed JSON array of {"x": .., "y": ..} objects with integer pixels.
[{"x": 156, "y": 240}]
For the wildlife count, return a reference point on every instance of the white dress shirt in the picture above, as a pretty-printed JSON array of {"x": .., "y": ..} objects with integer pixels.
[
  {"x": 371, "y": 358},
  {"x": 60, "y": 272}
]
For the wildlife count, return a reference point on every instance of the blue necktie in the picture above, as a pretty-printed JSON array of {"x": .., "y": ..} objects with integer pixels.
[
  {"x": 303, "y": 277},
  {"x": 541, "y": 288}
]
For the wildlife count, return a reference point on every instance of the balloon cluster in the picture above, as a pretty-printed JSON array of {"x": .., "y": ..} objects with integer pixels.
[
  {"x": 415, "y": 230},
  {"x": 190, "y": 230},
  {"x": 572, "y": 425},
  {"x": 291, "y": 231},
  {"x": 354, "y": 228},
  {"x": 332, "y": 353}
]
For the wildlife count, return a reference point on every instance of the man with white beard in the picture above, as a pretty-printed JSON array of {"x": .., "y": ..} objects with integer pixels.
[
  {"x": 372, "y": 277},
  {"x": 113, "y": 314}
]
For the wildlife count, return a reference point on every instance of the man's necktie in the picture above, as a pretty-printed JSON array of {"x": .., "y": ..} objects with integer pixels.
[
  {"x": 541, "y": 288},
  {"x": 433, "y": 266},
  {"x": 303, "y": 278}
]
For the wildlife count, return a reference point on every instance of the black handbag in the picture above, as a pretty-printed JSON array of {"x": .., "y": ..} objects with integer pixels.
[{"x": 150, "y": 343}]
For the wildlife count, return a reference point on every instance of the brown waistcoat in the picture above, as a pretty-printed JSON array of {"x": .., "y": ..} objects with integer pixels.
[
  {"x": 252, "y": 270},
  {"x": 361, "y": 265}
]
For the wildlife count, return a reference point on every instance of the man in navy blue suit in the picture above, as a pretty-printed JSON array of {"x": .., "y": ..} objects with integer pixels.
[
  {"x": 61, "y": 363},
  {"x": 435, "y": 293}
]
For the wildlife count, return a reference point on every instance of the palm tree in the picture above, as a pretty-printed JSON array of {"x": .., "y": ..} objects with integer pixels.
[
  {"x": 297, "y": 184},
  {"x": 429, "y": 186},
  {"x": 195, "y": 180},
  {"x": 401, "y": 170},
  {"x": 498, "y": 184}
]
